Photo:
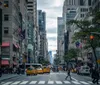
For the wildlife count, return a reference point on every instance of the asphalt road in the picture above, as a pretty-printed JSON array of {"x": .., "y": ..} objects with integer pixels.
[{"x": 54, "y": 78}]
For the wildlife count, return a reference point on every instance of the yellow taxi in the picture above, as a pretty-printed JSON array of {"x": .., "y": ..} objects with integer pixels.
[
  {"x": 46, "y": 69},
  {"x": 73, "y": 70},
  {"x": 39, "y": 70},
  {"x": 31, "y": 71}
]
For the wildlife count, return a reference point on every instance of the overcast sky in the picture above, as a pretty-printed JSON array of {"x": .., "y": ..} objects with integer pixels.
[{"x": 53, "y": 9}]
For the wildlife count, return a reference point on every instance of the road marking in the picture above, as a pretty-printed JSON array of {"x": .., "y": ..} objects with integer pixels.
[
  {"x": 90, "y": 82},
  {"x": 74, "y": 79},
  {"x": 41, "y": 82},
  {"x": 33, "y": 82},
  {"x": 67, "y": 82},
  {"x": 50, "y": 82},
  {"x": 75, "y": 82},
  {"x": 83, "y": 82},
  {"x": 24, "y": 82},
  {"x": 7, "y": 83},
  {"x": 17, "y": 82},
  {"x": 58, "y": 82}
]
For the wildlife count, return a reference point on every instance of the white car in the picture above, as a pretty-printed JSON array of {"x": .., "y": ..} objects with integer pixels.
[{"x": 84, "y": 70}]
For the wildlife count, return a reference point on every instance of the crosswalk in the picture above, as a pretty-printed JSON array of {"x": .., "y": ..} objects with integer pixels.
[{"x": 50, "y": 82}]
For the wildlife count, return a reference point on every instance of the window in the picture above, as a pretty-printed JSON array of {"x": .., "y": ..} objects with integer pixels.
[
  {"x": 6, "y": 30},
  {"x": 29, "y": 6},
  {"x": 6, "y": 4},
  {"x": 6, "y": 17}
]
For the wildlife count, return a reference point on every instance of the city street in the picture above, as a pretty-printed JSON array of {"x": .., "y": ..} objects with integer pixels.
[{"x": 54, "y": 78}]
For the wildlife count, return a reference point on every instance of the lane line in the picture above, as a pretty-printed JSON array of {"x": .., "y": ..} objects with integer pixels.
[
  {"x": 15, "y": 83},
  {"x": 67, "y": 82},
  {"x": 33, "y": 82},
  {"x": 24, "y": 82},
  {"x": 41, "y": 82},
  {"x": 58, "y": 82},
  {"x": 76, "y": 82},
  {"x": 83, "y": 82},
  {"x": 50, "y": 82},
  {"x": 7, "y": 83}
]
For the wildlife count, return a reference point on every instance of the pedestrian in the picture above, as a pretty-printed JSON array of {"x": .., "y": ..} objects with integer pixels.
[
  {"x": 95, "y": 76},
  {"x": 68, "y": 74}
]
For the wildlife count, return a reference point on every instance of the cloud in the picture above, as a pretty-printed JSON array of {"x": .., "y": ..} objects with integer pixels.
[{"x": 53, "y": 9}]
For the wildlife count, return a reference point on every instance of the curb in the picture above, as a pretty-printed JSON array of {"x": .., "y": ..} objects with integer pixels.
[{"x": 9, "y": 78}]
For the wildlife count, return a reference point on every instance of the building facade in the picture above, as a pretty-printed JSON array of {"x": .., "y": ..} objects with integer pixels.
[
  {"x": 60, "y": 38},
  {"x": 43, "y": 40},
  {"x": 11, "y": 29}
]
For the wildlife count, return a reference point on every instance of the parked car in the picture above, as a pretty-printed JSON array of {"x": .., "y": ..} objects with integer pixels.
[{"x": 84, "y": 70}]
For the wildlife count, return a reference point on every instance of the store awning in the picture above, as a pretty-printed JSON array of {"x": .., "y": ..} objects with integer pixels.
[
  {"x": 5, "y": 44},
  {"x": 4, "y": 62}
]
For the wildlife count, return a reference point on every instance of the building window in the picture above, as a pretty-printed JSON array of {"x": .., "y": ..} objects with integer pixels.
[
  {"x": 6, "y": 17},
  {"x": 6, "y": 30},
  {"x": 6, "y": 4},
  {"x": 30, "y": 9}
]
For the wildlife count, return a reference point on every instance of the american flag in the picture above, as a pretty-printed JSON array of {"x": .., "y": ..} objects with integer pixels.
[{"x": 19, "y": 30}]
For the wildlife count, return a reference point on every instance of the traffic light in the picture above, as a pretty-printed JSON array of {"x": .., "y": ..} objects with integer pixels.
[
  {"x": 91, "y": 37},
  {"x": 0, "y": 26}
]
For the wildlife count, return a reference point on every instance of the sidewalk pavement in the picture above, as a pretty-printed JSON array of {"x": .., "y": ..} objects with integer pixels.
[{"x": 7, "y": 76}]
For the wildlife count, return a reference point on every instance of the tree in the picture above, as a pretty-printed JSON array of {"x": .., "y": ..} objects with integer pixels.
[
  {"x": 85, "y": 28},
  {"x": 57, "y": 61},
  {"x": 71, "y": 54}
]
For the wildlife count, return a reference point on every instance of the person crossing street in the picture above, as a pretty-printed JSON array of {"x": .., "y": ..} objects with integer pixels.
[{"x": 68, "y": 75}]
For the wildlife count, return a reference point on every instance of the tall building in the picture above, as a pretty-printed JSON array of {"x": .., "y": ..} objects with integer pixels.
[
  {"x": 76, "y": 11},
  {"x": 32, "y": 11},
  {"x": 13, "y": 34},
  {"x": 42, "y": 31},
  {"x": 69, "y": 13},
  {"x": 60, "y": 38}
]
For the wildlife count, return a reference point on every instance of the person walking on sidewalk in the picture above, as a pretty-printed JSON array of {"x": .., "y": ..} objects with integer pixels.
[{"x": 68, "y": 74}]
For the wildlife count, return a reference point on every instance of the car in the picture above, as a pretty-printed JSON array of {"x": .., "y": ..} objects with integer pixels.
[
  {"x": 84, "y": 70},
  {"x": 40, "y": 70},
  {"x": 31, "y": 71},
  {"x": 73, "y": 70},
  {"x": 46, "y": 69}
]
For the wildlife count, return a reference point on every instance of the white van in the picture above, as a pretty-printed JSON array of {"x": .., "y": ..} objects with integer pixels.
[{"x": 84, "y": 70}]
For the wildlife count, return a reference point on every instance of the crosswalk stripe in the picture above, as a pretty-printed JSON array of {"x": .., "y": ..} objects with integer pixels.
[
  {"x": 41, "y": 82},
  {"x": 90, "y": 82},
  {"x": 7, "y": 83},
  {"x": 75, "y": 82},
  {"x": 58, "y": 82},
  {"x": 15, "y": 83},
  {"x": 83, "y": 82},
  {"x": 67, "y": 82},
  {"x": 24, "y": 82},
  {"x": 33, "y": 82},
  {"x": 50, "y": 82}
]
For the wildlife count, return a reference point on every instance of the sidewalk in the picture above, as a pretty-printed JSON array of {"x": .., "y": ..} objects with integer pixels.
[{"x": 7, "y": 76}]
